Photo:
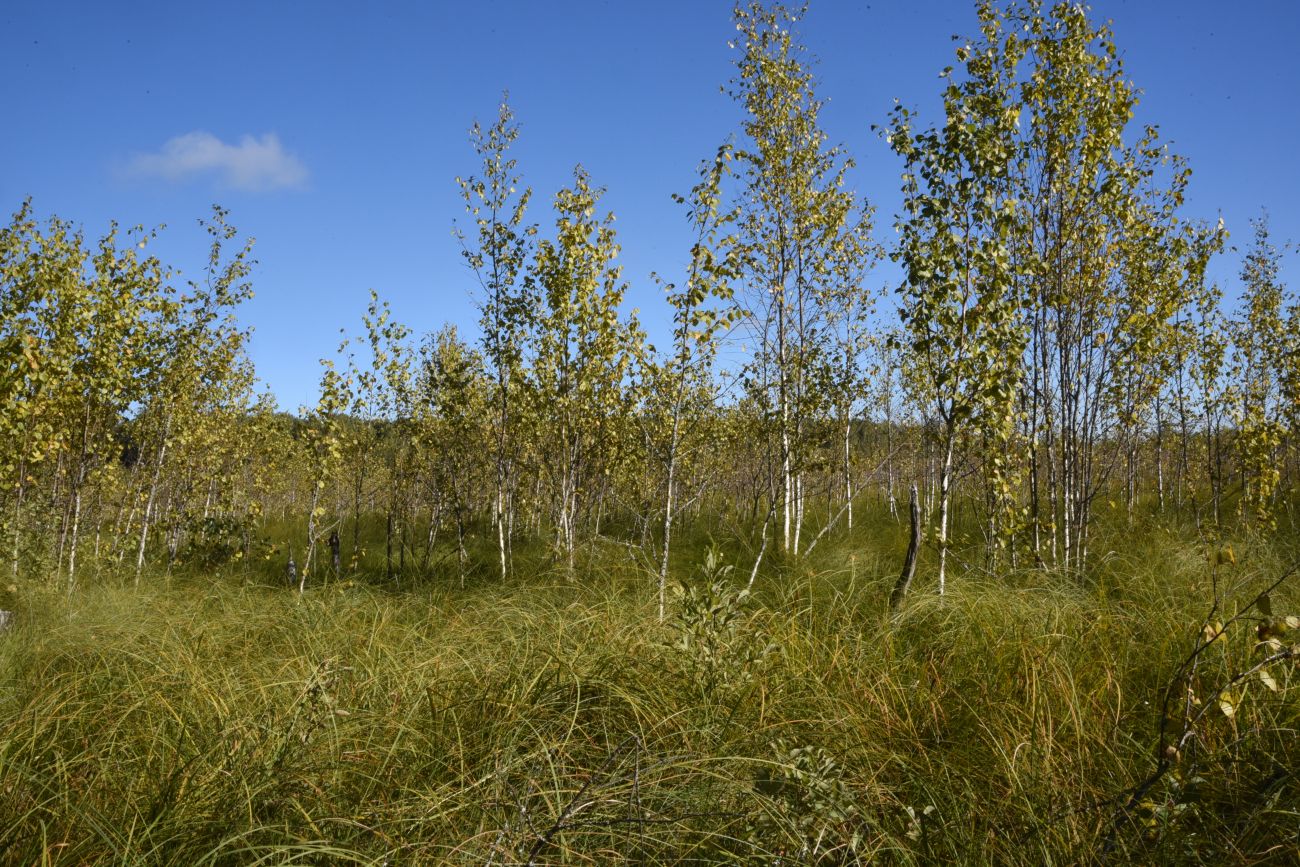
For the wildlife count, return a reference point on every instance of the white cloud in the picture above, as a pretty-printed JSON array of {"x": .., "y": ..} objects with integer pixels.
[{"x": 255, "y": 164}]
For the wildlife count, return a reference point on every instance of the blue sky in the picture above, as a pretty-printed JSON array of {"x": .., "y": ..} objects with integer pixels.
[{"x": 334, "y": 131}]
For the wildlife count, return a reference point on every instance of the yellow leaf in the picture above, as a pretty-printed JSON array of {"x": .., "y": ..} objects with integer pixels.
[
  {"x": 1226, "y": 706},
  {"x": 1268, "y": 681}
]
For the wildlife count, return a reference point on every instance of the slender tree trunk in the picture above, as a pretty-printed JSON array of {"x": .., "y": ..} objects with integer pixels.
[
  {"x": 798, "y": 512},
  {"x": 889, "y": 443},
  {"x": 356, "y": 516},
  {"x": 401, "y": 549},
  {"x": 848, "y": 475},
  {"x": 668, "y": 535},
  {"x": 511, "y": 512},
  {"x": 1160, "y": 455},
  {"x": 460, "y": 543},
  {"x": 124, "y": 522},
  {"x": 149, "y": 504},
  {"x": 909, "y": 562},
  {"x": 1184, "y": 437},
  {"x": 1130, "y": 481},
  {"x": 762, "y": 549},
  {"x": 945, "y": 496},
  {"x": 207, "y": 500},
  {"x": 72, "y": 549},
  {"x": 435, "y": 514},
  {"x": 311, "y": 540},
  {"x": 21, "y": 488},
  {"x": 500, "y": 520},
  {"x": 670, "y": 491},
  {"x": 388, "y": 546},
  {"x": 65, "y": 518},
  {"x": 787, "y": 485}
]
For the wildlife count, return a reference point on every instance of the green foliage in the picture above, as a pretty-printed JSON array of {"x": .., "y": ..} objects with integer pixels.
[
  {"x": 508, "y": 304},
  {"x": 720, "y": 641},
  {"x": 217, "y": 540},
  {"x": 811, "y": 802},
  {"x": 1237, "y": 679},
  {"x": 583, "y": 351},
  {"x": 498, "y": 254},
  {"x": 1263, "y": 395},
  {"x": 803, "y": 249},
  {"x": 964, "y": 333},
  {"x": 111, "y": 353},
  {"x": 680, "y": 387}
]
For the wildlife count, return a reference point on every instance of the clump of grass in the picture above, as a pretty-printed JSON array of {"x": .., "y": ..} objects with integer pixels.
[{"x": 554, "y": 720}]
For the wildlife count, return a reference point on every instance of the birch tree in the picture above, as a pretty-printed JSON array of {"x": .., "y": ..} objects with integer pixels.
[
  {"x": 798, "y": 227},
  {"x": 681, "y": 384},
  {"x": 498, "y": 254},
  {"x": 1263, "y": 350},
  {"x": 583, "y": 351},
  {"x": 962, "y": 332}
]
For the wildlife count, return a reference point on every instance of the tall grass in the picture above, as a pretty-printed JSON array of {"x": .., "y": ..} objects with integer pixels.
[{"x": 552, "y": 719}]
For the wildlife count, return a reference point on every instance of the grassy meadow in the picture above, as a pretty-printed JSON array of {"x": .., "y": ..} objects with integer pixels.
[{"x": 220, "y": 718}]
